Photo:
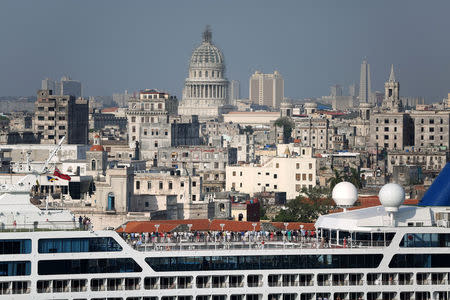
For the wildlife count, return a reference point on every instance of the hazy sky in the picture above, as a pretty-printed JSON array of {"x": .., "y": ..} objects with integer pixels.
[{"x": 111, "y": 46}]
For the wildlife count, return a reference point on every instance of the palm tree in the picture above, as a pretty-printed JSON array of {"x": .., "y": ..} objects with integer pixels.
[{"x": 332, "y": 181}]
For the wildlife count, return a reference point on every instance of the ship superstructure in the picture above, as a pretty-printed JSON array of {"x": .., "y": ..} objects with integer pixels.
[{"x": 386, "y": 252}]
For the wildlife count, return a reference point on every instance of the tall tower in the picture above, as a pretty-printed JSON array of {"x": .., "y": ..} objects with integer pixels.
[
  {"x": 364, "y": 83},
  {"x": 266, "y": 89},
  {"x": 392, "y": 100}
]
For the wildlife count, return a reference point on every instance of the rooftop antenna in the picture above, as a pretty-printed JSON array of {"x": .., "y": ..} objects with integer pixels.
[
  {"x": 344, "y": 195},
  {"x": 391, "y": 197}
]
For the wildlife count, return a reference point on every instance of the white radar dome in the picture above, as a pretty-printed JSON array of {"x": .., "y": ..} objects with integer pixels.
[
  {"x": 344, "y": 194},
  {"x": 391, "y": 196}
]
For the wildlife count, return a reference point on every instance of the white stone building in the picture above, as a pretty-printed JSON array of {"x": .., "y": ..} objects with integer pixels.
[
  {"x": 278, "y": 174},
  {"x": 205, "y": 90}
]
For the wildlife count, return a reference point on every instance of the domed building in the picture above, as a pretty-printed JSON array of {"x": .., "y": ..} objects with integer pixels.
[{"x": 205, "y": 91}]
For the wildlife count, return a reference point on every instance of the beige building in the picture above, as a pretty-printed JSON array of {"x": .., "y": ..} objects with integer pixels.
[
  {"x": 278, "y": 174},
  {"x": 176, "y": 192},
  {"x": 266, "y": 89},
  {"x": 431, "y": 129}
]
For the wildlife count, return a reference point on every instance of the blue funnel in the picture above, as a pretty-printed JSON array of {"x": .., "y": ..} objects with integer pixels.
[{"x": 438, "y": 194}]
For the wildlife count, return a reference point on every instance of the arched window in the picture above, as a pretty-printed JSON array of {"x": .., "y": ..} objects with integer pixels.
[
  {"x": 93, "y": 165},
  {"x": 111, "y": 201}
]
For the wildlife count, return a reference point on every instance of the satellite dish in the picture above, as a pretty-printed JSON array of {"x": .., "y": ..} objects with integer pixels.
[{"x": 344, "y": 194}]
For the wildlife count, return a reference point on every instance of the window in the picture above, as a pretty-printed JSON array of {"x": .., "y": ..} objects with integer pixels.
[
  {"x": 149, "y": 185},
  {"x": 386, "y": 129},
  {"x": 265, "y": 262},
  {"x": 170, "y": 185},
  {"x": 431, "y": 121},
  {"x": 297, "y": 165},
  {"x": 182, "y": 183},
  {"x": 275, "y": 176},
  {"x": 75, "y": 245},
  {"x": 310, "y": 177},
  {"x": 87, "y": 266},
  {"x": 194, "y": 183},
  {"x": 133, "y": 119},
  {"x": 15, "y": 268},
  {"x": 303, "y": 176},
  {"x": 15, "y": 246},
  {"x": 194, "y": 197},
  {"x": 310, "y": 166},
  {"x": 161, "y": 185},
  {"x": 138, "y": 185},
  {"x": 297, "y": 177},
  {"x": 277, "y": 165}
]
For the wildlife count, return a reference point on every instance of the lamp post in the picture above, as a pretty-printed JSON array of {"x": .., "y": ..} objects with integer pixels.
[
  {"x": 285, "y": 231},
  {"x": 157, "y": 234},
  {"x": 301, "y": 232}
]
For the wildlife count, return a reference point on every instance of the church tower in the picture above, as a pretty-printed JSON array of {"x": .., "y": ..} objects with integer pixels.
[{"x": 392, "y": 100}]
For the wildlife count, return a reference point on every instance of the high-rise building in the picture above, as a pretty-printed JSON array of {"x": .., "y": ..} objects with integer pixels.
[
  {"x": 70, "y": 87},
  {"x": 336, "y": 90},
  {"x": 364, "y": 83},
  {"x": 205, "y": 91},
  {"x": 266, "y": 89},
  {"x": 353, "y": 90},
  {"x": 66, "y": 86},
  {"x": 235, "y": 91},
  {"x": 61, "y": 115}
]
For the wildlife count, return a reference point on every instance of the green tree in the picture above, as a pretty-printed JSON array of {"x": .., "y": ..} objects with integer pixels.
[
  {"x": 306, "y": 209},
  {"x": 332, "y": 181},
  {"x": 288, "y": 126},
  {"x": 354, "y": 176}
]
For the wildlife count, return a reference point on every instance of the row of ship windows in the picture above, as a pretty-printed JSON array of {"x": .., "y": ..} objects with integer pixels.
[
  {"x": 236, "y": 281},
  {"x": 63, "y": 245},
  {"x": 215, "y": 263},
  {"x": 108, "y": 244},
  {"x": 22, "y": 287},
  {"x": 71, "y": 266},
  {"x": 264, "y": 262}
]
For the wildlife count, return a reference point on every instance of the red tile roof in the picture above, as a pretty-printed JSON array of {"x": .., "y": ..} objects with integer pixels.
[{"x": 110, "y": 109}]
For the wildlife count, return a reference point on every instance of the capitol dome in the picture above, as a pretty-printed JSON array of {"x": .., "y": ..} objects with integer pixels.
[
  {"x": 205, "y": 92},
  {"x": 206, "y": 52}
]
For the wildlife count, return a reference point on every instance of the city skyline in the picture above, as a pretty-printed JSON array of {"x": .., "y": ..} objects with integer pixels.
[{"x": 110, "y": 47}]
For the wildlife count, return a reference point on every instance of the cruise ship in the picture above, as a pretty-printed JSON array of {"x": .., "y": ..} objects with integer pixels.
[{"x": 389, "y": 252}]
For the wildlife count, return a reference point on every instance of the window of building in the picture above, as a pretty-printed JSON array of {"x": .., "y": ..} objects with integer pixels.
[
  {"x": 194, "y": 183},
  {"x": 275, "y": 176},
  {"x": 386, "y": 129},
  {"x": 133, "y": 119},
  {"x": 234, "y": 173},
  {"x": 133, "y": 129},
  {"x": 431, "y": 129},
  {"x": 297, "y": 177},
  {"x": 386, "y": 137},
  {"x": 149, "y": 185},
  {"x": 386, "y": 121},
  {"x": 431, "y": 121},
  {"x": 297, "y": 165},
  {"x": 161, "y": 185},
  {"x": 310, "y": 177},
  {"x": 194, "y": 197},
  {"x": 277, "y": 165},
  {"x": 182, "y": 184},
  {"x": 138, "y": 185},
  {"x": 303, "y": 176}
]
